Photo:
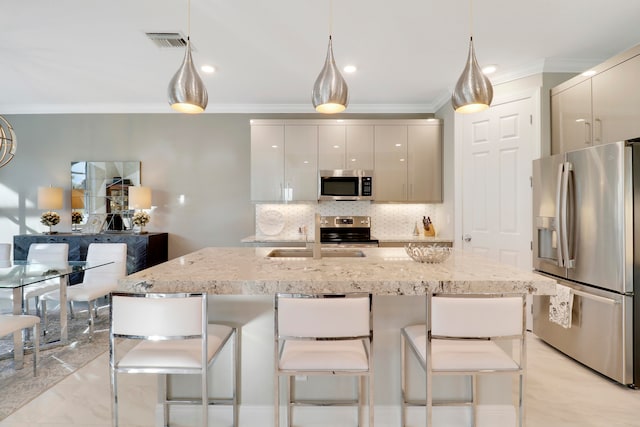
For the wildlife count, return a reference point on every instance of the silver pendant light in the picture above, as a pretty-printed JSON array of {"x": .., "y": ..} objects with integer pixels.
[
  {"x": 473, "y": 92},
  {"x": 8, "y": 143},
  {"x": 330, "y": 92},
  {"x": 187, "y": 92}
]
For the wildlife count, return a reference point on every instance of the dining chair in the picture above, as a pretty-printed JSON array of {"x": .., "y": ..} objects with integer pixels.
[
  {"x": 43, "y": 256},
  {"x": 97, "y": 282},
  {"x": 323, "y": 335},
  {"x": 5, "y": 255},
  {"x": 468, "y": 335},
  {"x": 175, "y": 338},
  {"x": 11, "y": 323}
]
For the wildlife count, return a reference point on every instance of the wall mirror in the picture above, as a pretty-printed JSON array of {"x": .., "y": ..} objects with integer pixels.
[{"x": 99, "y": 192}]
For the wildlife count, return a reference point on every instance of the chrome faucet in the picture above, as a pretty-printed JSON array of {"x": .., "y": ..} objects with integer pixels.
[{"x": 317, "y": 253}]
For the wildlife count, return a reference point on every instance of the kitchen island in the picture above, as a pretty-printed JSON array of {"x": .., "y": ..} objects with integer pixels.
[
  {"x": 381, "y": 271},
  {"x": 241, "y": 282}
]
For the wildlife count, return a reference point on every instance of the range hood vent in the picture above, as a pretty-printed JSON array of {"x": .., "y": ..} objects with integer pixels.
[{"x": 168, "y": 40}]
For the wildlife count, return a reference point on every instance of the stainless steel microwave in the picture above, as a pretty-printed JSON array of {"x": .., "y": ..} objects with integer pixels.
[{"x": 345, "y": 184}]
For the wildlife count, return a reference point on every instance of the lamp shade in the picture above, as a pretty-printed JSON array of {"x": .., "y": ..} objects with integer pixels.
[
  {"x": 139, "y": 197},
  {"x": 473, "y": 92},
  {"x": 50, "y": 198},
  {"x": 330, "y": 92},
  {"x": 77, "y": 198},
  {"x": 187, "y": 92}
]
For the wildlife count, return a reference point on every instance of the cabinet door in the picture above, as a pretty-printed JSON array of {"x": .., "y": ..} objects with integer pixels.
[
  {"x": 616, "y": 103},
  {"x": 332, "y": 147},
  {"x": 424, "y": 164},
  {"x": 359, "y": 154},
  {"x": 301, "y": 162},
  {"x": 267, "y": 162},
  {"x": 571, "y": 124},
  {"x": 390, "y": 172}
]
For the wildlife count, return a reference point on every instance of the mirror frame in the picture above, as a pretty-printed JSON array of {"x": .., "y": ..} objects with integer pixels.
[{"x": 101, "y": 188}]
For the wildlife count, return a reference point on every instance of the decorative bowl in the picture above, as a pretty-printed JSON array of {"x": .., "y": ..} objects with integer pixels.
[{"x": 427, "y": 252}]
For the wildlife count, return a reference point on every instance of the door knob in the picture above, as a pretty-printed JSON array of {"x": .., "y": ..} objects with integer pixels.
[{"x": 466, "y": 238}]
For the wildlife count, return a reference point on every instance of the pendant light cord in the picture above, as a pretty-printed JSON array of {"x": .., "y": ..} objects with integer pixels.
[
  {"x": 188, "y": 19},
  {"x": 471, "y": 19},
  {"x": 330, "y": 18}
]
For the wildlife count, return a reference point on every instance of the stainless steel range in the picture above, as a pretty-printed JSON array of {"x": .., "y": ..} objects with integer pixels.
[{"x": 346, "y": 231}]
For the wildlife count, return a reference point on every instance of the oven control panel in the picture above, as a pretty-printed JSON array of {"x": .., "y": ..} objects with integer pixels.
[{"x": 345, "y": 221}]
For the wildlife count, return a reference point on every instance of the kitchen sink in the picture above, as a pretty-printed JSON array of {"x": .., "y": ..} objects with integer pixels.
[{"x": 308, "y": 253}]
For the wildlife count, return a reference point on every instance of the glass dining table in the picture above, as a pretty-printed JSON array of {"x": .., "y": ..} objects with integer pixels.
[{"x": 21, "y": 274}]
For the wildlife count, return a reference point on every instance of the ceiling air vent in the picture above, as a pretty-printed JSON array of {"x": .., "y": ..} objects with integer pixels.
[{"x": 167, "y": 40}]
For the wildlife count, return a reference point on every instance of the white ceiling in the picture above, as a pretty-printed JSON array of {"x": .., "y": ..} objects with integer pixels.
[{"x": 93, "y": 56}]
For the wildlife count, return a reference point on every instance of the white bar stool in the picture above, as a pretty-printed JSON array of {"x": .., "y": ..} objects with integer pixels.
[
  {"x": 323, "y": 334},
  {"x": 461, "y": 338},
  {"x": 175, "y": 338}
]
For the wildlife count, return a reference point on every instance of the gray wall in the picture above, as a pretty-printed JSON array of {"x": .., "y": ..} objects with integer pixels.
[{"x": 205, "y": 158}]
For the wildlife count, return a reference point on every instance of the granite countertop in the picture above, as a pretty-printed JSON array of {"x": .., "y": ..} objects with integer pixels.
[
  {"x": 301, "y": 239},
  {"x": 383, "y": 271}
]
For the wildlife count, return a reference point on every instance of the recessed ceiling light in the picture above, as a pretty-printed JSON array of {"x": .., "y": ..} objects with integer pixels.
[
  {"x": 350, "y": 69},
  {"x": 589, "y": 73},
  {"x": 208, "y": 69},
  {"x": 490, "y": 69}
]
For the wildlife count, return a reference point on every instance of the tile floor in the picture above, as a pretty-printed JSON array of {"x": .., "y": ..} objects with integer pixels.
[{"x": 560, "y": 393}]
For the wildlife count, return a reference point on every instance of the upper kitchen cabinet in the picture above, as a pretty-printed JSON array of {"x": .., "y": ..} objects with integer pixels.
[
  {"x": 390, "y": 169},
  {"x": 408, "y": 162},
  {"x": 267, "y": 163},
  {"x": 571, "y": 118},
  {"x": 424, "y": 163},
  {"x": 301, "y": 163},
  {"x": 616, "y": 102},
  {"x": 600, "y": 109},
  {"x": 345, "y": 146},
  {"x": 284, "y": 162}
]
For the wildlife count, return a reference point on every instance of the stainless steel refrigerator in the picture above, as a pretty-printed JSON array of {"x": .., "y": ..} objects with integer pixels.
[{"x": 585, "y": 205}]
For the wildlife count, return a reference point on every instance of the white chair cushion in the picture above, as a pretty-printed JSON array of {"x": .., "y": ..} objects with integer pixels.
[
  {"x": 101, "y": 280},
  {"x": 87, "y": 292},
  {"x": 10, "y": 323},
  {"x": 495, "y": 316},
  {"x": 175, "y": 353},
  {"x": 323, "y": 317},
  {"x": 39, "y": 289},
  {"x": 459, "y": 355},
  {"x": 324, "y": 355}
]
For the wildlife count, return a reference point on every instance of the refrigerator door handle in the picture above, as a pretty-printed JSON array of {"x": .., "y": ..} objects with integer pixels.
[
  {"x": 594, "y": 297},
  {"x": 559, "y": 224},
  {"x": 567, "y": 228}
]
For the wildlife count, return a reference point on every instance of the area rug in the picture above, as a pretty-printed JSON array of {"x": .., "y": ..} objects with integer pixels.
[{"x": 18, "y": 387}]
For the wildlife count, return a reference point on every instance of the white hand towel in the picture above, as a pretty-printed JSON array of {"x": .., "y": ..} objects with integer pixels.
[{"x": 561, "y": 306}]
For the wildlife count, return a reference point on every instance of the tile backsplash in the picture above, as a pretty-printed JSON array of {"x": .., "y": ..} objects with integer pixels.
[{"x": 387, "y": 220}]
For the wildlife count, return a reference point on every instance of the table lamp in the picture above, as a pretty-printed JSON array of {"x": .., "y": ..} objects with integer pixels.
[
  {"x": 50, "y": 199},
  {"x": 77, "y": 202},
  {"x": 140, "y": 198}
]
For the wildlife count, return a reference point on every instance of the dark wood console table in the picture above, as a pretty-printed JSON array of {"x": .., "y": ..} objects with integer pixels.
[{"x": 143, "y": 250}]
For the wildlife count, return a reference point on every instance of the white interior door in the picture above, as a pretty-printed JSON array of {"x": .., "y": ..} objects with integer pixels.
[{"x": 497, "y": 149}]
